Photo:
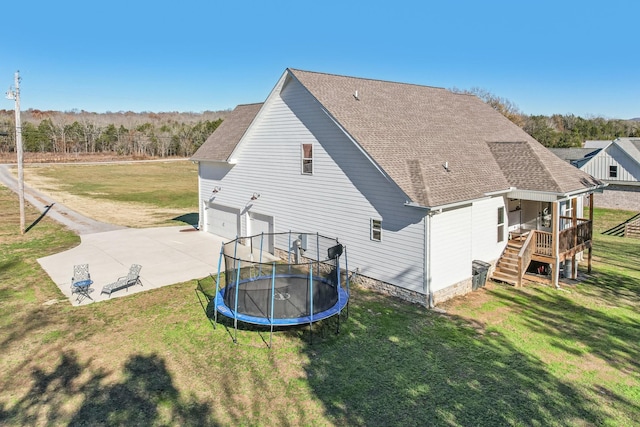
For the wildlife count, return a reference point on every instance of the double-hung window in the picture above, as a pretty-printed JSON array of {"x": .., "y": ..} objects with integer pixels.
[
  {"x": 307, "y": 159},
  {"x": 500, "y": 224},
  {"x": 613, "y": 171},
  {"x": 376, "y": 230}
]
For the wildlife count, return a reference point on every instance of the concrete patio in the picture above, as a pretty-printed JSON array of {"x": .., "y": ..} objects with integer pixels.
[{"x": 168, "y": 255}]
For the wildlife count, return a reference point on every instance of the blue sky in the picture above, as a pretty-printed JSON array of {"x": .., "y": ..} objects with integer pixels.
[{"x": 565, "y": 57}]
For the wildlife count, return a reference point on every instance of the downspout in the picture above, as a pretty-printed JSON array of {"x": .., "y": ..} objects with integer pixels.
[
  {"x": 427, "y": 260},
  {"x": 200, "y": 200}
]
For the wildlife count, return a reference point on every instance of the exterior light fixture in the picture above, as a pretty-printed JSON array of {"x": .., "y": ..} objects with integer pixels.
[
  {"x": 255, "y": 196},
  {"x": 216, "y": 189}
]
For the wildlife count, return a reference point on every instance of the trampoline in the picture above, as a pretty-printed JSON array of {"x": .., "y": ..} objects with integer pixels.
[{"x": 282, "y": 279}]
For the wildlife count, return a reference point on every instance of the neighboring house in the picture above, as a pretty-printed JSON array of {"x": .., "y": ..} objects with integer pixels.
[
  {"x": 417, "y": 182},
  {"x": 617, "y": 163}
]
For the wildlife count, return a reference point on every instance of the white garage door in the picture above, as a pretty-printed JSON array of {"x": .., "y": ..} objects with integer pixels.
[
  {"x": 223, "y": 221},
  {"x": 259, "y": 223}
]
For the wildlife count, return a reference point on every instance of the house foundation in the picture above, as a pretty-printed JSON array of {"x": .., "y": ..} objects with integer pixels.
[{"x": 391, "y": 290}]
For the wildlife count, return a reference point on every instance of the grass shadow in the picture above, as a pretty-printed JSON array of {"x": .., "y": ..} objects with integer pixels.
[
  {"x": 396, "y": 364},
  {"x": 601, "y": 330},
  {"x": 145, "y": 396}
]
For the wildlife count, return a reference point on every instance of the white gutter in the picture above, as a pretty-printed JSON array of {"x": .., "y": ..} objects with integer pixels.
[
  {"x": 498, "y": 192},
  {"x": 599, "y": 188},
  {"x": 439, "y": 208},
  {"x": 562, "y": 196}
]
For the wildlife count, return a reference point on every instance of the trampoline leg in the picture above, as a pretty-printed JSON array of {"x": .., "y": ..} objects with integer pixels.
[{"x": 235, "y": 336}]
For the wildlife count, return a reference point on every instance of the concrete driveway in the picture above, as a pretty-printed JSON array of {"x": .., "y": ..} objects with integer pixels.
[{"x": 168, "y": 255}]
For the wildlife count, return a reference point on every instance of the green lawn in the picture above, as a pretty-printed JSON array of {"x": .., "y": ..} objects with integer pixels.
[
  {"x": 501, "y": 356},
  {"x": 159, "y": 184}
]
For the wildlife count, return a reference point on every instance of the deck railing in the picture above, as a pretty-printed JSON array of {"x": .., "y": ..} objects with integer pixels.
[
  {"x": 543, "y": 243},
  {"x": 540, "y": 243},
  {"x": 571, "y": 237}
]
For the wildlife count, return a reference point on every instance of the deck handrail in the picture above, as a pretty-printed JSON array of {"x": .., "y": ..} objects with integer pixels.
[{"x": 524, "y": 256}]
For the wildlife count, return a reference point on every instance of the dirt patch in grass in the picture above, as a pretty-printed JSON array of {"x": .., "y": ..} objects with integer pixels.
[{"x": 474, "y": 307}]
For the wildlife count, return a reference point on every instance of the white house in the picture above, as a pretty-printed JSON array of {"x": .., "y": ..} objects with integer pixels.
[
  {"x": 617, "y": 163},
  {"x": 417, "y": 182}
]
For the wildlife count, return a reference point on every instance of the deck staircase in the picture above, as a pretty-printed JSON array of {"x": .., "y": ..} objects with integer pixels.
[{"x": 507, "y": 267}]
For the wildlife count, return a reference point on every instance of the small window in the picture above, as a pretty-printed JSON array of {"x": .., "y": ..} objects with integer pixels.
[
  {"x": 500, "y": 224},
  {"x": 376, "y": 230},
  {"x": 307, "y": 159},
  {"x": 613, "y": 171}
]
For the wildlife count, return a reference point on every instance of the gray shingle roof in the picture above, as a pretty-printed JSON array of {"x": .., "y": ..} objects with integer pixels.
[
  {"x": 220, "y": 144},
  {"x": 411, "y": 131},
  {"x": 569, "y": 154},
  {"x": 596, "y": 143}
]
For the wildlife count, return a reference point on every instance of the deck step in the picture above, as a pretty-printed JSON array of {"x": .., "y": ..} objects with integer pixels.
[
  {"x": 507, "y": 266},
  {"x": 502, "y": 277},
  {"x": 510, "y": 270}
]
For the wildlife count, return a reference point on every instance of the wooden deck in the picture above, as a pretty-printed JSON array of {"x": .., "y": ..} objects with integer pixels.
[{"x": 525, "y": 248}]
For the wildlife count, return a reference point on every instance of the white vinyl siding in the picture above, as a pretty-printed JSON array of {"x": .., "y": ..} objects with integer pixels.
[
  {"x": 345, "y": 192},
  {"x": 602, "y": 163},
  {"x": 460, "y": 236},
  {"x": 484, "y": 246},
  {"x": 451, "y": 253}
]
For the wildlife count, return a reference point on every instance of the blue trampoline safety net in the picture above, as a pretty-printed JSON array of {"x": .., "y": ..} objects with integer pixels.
[{"x": 304, "y": 284}]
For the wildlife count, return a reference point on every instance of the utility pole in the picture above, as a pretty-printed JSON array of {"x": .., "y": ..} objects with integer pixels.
[{"x": 15, "y": 95}]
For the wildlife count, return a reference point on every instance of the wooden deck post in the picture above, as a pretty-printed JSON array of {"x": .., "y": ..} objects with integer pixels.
[
  {"x": 555, "y": 242},
  {"x": 574, "y": 221}
]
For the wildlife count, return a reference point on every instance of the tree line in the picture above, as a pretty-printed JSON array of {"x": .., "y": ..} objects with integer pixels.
[
  {"x": 559, "y": 130},
  {"x": 181, "y": 134},
  {"x": 571, "y": 131},
  {"x": 124, "y": 133}
]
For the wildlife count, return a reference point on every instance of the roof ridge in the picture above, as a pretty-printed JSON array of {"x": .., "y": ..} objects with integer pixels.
[
  {"x": 545, "y": 165},
  {"x": 293, "y": 70},
  {"x": 248, "y": 104}
]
